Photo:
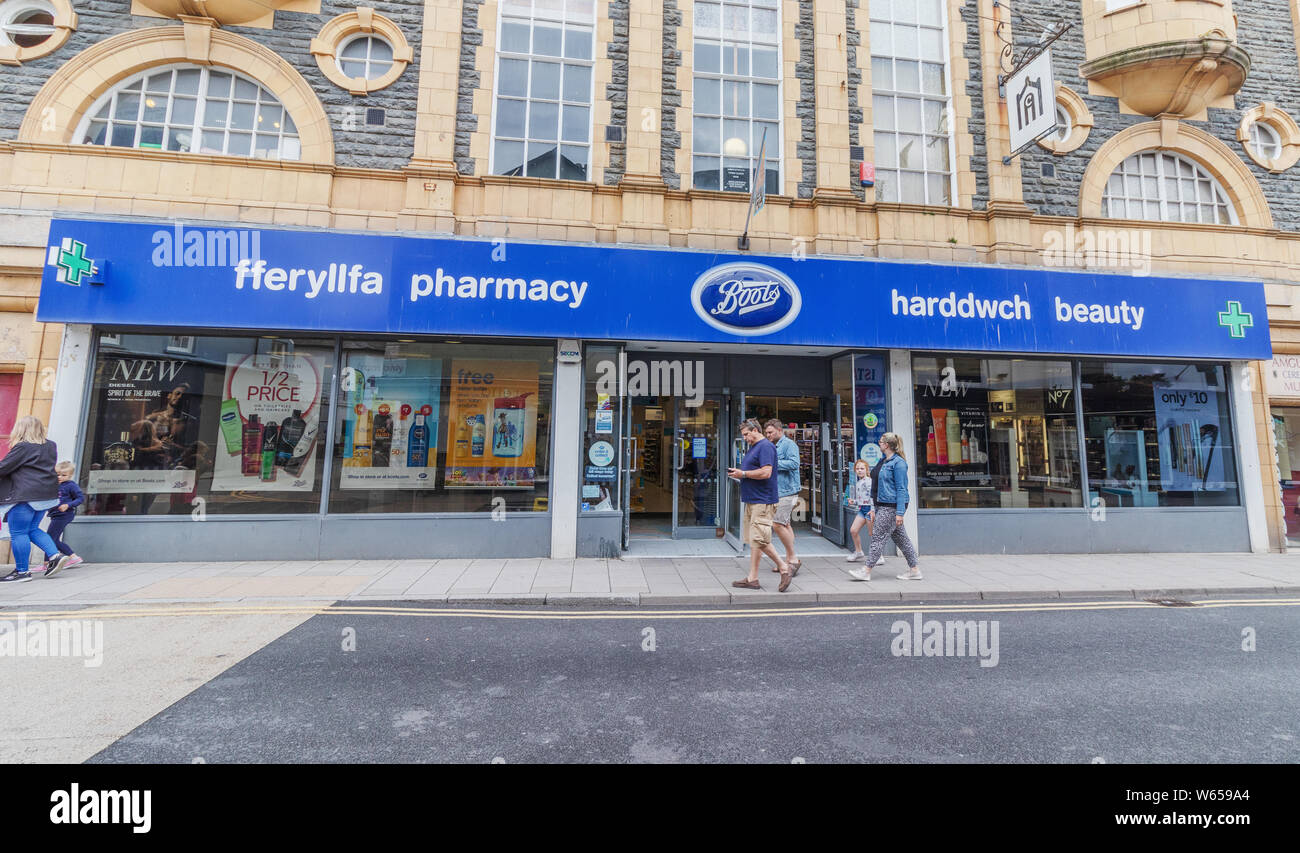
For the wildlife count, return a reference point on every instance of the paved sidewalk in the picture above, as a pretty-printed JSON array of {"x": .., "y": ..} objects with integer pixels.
[{"x": 659, "y": 581}]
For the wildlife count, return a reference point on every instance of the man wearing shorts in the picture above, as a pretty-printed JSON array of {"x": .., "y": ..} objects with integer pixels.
[
  {"x": 787, "y": 486},
  {"x": 758, "y": 492}
]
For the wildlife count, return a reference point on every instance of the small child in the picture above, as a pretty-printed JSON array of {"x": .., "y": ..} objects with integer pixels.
[
  {"x": 860, "y": 496},
  {"x": 70, "y": 497}
]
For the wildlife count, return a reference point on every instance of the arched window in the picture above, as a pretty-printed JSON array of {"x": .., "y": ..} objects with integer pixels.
[
  {"x": 1165, "y": 187},
  {"x": 196, "y": 109}
]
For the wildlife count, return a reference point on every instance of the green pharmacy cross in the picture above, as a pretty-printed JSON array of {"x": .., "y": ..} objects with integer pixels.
[
  {"x": 1236, "y": 320},
  {"x": 73, "y": 263}
]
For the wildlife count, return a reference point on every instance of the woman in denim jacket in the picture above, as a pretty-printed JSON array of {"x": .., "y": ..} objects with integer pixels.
[{"x": 890, "y": 499}]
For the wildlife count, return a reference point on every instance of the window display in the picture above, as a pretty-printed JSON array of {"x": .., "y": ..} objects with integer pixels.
[
  {"x": 233, "y": 421},
  {"x": 1158, "y": 434},
  {"x": 441, "y": 427},
  {"x": 602, "y": 418},
  {"x": 996, "y": 433}
]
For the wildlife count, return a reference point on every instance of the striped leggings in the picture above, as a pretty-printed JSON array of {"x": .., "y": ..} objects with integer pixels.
[{"x": 885, "y": 527}]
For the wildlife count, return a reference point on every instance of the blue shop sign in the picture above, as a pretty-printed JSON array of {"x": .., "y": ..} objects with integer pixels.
[{"x": 177, "y": 275}]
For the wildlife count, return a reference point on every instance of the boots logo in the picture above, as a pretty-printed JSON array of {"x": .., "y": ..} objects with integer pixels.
[{"x": 746, "y": 299}]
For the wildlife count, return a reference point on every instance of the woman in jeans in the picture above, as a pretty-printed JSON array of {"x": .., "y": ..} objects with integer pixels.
[
  {"x": 28, "y": 481},
  {"x": 889, "y": 494}
]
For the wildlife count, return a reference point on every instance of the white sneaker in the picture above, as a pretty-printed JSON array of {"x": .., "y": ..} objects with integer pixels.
[
  {"x": 860, "y": 575},
  {"x": 854, "y": 557},
  {"x": 914, "y": 575}
]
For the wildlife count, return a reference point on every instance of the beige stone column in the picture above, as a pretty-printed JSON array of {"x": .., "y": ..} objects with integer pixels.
[
  {"x": 835, "y": 205},
  {"x": 643, "y": 186},
  {"x": 1009, "y": 232},
  {"x": 431, "y": 175}
]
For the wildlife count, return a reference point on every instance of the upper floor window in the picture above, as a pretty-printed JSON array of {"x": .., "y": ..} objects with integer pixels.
[
  {"x": 365, "y": 56},
  {"x": 201, "y": 110},
  {"x": 1265, "y": 141},
  {"x": 26, "y": 23},
  {"x": 542, "y": 120},
  {"x": 1160, "y": 186},
  {"x": 911, "y": 102},
  {"x": 737, "y": 94}
]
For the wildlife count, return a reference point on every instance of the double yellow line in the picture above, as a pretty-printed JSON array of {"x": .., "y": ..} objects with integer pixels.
[{"x": 635, "y": 614}]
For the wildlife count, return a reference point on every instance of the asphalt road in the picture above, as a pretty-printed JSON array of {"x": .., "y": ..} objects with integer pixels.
[{"x": 1112, "y": 685}]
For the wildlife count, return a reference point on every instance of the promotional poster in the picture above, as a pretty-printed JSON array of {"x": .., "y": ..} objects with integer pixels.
[
  {"x": 149, "y": 409},
  {"x": 868, "y": 406},
  {"x": 952, "y": 434},
  {"x": 270, "y": 418},
  {"x": 492, "y": 424},
  {"x": 1189, "y": 431},
  {"x": 390, "y": 425}
]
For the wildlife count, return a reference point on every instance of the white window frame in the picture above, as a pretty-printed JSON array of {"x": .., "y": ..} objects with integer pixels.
[
  {"x": 949, "y": 113},
  {"x": 287, "y": 142},
  {"x": 13, "y": 8},
  {"x": 1262, "y": 133},
  {"x": 1064, "y": 124},
  {"x": 368, "y": 63},
  {"x": 751, "y": 157},
  {"x": 1200, "y": 173},
  {"x": 562, "y": 17}
]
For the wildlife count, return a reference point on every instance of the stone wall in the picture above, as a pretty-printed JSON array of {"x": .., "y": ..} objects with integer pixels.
[
  {"x": 355, "y": 144},
  {"x": 1265, "y": 31}
]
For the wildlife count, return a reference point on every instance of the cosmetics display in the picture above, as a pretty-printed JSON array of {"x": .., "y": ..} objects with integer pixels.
[
  {"x": 418, "y": 444},
  {"x": 270, "y": 444},
  {"x": 251, "y": 456},
  {"x": 231, "y": 425}
]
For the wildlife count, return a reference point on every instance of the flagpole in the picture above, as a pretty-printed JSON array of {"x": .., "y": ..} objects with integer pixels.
[{"x": 742, "y": 242}]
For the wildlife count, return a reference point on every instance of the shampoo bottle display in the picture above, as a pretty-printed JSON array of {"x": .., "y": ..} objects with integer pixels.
[
  {"x": 931, "y": 453},
  {"x": 251, "y": 457},
  {"x": 418, "y": 444},
  {"x": 291, "y": 431},
  {"x": 270, "y": 444},
  {"x": 274, "y": 397}
]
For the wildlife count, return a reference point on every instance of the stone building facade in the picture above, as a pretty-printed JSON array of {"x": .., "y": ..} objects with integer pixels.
[{"x": 423, "y": 152}]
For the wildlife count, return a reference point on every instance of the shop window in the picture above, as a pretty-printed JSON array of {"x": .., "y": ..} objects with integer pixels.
[
  {"x": 1158, "y": 435},
  {"x": 195, "y": 109},
  {"x": 911, "y": 103},
  {"x": 542, "y": 118},
  {"x": 10, "y": 386},
  {"x": 1286, "y": 437},
  {"x": 1158, "y": 186},
  {"x": 996, "y": 433},
  {"x": 425, "y": 427},
  {"x": 602, "y": 434},
  {"x": 737, "y": 95},
  {"x": 218, "y": 425}
]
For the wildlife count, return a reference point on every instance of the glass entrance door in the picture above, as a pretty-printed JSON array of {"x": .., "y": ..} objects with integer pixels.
[
  {"x": 832, "y": 460},
  {"x": 696, "y": 458},
  {"x": 735, "y": 453}
]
